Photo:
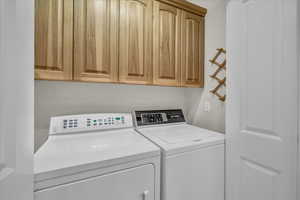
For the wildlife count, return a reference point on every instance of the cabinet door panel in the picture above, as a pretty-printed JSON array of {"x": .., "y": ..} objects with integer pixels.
[
  {"x": 96, "y": 40},
  {"x": 136, "y": 41},
  {"x": 53, "y": 39},
  {"x": 166, "y": 54},
  {"x": 192, "y": 73}
]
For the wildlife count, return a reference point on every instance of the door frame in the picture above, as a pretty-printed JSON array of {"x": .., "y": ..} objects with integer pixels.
[
  {"x": 17, "y": 100},
  {"x": 298, "y": 42}
]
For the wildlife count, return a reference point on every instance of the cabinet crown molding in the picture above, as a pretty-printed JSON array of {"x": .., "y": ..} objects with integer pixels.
[{"x": 188, "y": 6}]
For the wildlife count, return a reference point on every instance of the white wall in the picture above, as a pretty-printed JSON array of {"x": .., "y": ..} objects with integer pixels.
[
  {"x": 59, "y": 98},
  {"x": 214, "y": 38}
]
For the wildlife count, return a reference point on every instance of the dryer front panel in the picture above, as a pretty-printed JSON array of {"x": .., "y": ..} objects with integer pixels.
[{"x": 130, "y": 184}]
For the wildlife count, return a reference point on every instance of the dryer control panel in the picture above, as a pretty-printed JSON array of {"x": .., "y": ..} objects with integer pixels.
[
  {"x": 156, "y": 117},
  {"x": 89, "y": 122}
]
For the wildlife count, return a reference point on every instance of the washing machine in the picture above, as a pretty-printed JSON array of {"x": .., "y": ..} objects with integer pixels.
[
  {"x": 192, "y": 158},
  {"x": 96, "y": 156}
]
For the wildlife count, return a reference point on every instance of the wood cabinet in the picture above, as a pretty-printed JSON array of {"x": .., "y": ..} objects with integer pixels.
[
  {"x": 192, "y": 50},
  {"x": 166, "y": 44},
  {"x": 136, "y": 41},
  {"x": 158, "y": 42},
  {"x": 96, "y": 40},
  {"x": 53, "y": 39}
]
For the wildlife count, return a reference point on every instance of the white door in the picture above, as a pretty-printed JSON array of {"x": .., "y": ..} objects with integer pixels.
[
  {"x": 130, "y": 184},
  {"x": 16, "y": 99},
  {"x": 261, "y": 113}
]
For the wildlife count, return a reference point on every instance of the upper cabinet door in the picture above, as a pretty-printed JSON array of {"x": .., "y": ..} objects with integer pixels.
[
  {"x": 136, "y": 41},
  {"x": 192, "y": 66},
  {"x": 166, "y": 44},
  {"x": 53, "y": 39},
  {"x": 96, "y": 40}
]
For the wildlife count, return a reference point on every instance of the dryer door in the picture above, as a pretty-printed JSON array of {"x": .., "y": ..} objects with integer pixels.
[{"x": 130, "y": 184}]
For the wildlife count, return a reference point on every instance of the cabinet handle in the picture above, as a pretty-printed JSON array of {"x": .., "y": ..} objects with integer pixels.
[{"x": 145, "y": 195}]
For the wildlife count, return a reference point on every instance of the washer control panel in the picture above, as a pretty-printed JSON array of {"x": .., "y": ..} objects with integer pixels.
[
  {"x": 89, "y": 122},
  {"x": 156, "y": 117}
]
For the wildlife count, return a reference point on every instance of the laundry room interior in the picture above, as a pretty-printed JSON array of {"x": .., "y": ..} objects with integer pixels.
[
  {"x": 94, "y": 100},
  {"x": 53, "y": 98},
  {"x": 150, "y": 100}
]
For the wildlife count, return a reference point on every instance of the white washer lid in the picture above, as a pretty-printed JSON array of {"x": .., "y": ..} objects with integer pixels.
[
  {"x": 68, "y": 154},
  {"x": 181, "y": 137}
]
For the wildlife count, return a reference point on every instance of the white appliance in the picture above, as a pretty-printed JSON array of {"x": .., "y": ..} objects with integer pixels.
[
  {"x": 192, "y": 158},
  {"x": 96, "y": 156}
]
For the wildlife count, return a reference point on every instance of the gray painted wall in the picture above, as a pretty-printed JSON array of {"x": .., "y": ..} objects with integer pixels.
[
  {"x": 214, "y": 38},
  {"x": 60, "y": 98},
  {"x": 299, "y": 101}
]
